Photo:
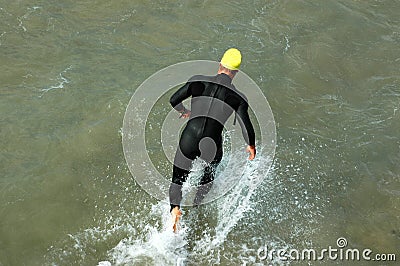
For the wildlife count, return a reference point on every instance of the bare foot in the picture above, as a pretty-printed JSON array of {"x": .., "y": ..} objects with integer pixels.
[{"x": 176, "y": 214}]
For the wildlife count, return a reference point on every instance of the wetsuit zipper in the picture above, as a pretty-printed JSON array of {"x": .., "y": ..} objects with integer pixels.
[{"x": 208, "y": 110}]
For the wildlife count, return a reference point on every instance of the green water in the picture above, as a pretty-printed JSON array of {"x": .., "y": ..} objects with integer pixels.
[{"x": 329, "y": 69}]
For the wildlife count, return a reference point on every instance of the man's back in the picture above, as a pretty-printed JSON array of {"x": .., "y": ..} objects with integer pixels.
[{"x": 214, "y": 99}]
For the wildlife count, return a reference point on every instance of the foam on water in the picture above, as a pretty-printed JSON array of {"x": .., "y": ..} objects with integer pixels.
[
  {"x": 158, "y": 245},
  {"x": 147, "y": 238},
  {"x": 61, "y": 81}
]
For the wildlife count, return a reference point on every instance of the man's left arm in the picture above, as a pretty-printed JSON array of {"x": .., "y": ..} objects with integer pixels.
[{"x": 247, "y": 129}]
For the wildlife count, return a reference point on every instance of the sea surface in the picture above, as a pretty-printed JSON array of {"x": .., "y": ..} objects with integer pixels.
[{"x": 330, "y": 72}]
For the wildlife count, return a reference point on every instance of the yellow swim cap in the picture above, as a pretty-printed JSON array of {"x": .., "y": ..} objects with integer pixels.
[{"x": 232, "y": 59}]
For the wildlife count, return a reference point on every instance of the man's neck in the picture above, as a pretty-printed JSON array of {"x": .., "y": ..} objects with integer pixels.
[{"x": 228, "y": 73}]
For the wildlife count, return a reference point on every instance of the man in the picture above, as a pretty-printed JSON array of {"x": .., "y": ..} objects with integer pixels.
[{"x": 214, "y": 99}]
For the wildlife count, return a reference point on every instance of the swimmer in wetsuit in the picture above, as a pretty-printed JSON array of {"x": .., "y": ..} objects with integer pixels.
[{"x": 214, "y": 99}]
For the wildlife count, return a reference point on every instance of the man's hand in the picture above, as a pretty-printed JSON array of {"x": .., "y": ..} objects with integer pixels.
[
  {"x": 185, "y": 113},
  {"x": 252, "y": 150}
]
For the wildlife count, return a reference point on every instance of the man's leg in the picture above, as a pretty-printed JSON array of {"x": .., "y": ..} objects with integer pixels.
[
  {"x": 180, "y": 173},
  {"x": 184, "y": 156},
  {"x": 205, "y": 184},
  {"x": 175, "y": 194},
  {"x": 182, "y": 164},
  {"x": 179, "y": 176},
  {"x": 208, "y": 177}
]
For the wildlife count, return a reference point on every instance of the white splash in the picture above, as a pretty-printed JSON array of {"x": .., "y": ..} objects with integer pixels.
[
  {"x": 287, "y": 46},
  {"x": 61, "y": 81},
  {"x": 163, "y": 247},
  {"x": 158, "y": 247},
  {"x": 26, "y": 16}
]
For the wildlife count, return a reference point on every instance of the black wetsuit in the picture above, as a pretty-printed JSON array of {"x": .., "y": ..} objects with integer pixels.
[{"x": 214, "y": 99}]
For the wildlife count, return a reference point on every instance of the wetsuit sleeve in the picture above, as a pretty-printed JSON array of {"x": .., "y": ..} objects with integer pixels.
[
  {"x": 181, "y": 94},
  {"x": 245, "y": 123}
]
